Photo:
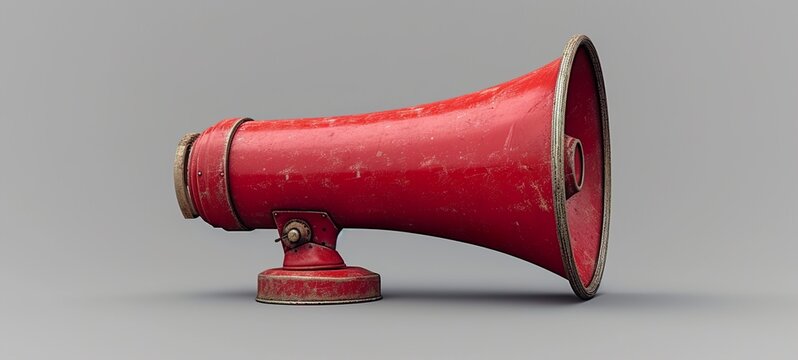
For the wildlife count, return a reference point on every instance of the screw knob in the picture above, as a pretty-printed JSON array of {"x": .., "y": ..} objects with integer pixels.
[
  {"x": 293, "y": 235},
  {"x": 296, "y": 232}
]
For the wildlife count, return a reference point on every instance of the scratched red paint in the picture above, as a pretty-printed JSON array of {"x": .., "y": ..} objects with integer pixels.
[
  {"x": 475, "y": 168},
  {"x": 318, "y": 286}
]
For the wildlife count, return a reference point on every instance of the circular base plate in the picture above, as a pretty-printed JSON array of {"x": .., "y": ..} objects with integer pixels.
[{"x": 317, "y": 287}]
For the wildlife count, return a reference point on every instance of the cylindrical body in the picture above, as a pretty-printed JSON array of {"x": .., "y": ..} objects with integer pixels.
[{"x": 475, "y": 169}]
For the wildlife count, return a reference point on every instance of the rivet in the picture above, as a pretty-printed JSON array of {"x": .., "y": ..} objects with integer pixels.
[
  {"x": 199, "y": 173},
  {"x": 221, "y": 174}
]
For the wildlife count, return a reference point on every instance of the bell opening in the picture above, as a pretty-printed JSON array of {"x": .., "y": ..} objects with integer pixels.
[{"x": 583, "y": 217}]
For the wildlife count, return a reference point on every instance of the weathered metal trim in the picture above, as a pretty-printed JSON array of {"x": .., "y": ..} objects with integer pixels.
[
  {"x": 325, "y": 278},
  {"x": 181, "y": 176},
  {"x": 226, "y": 167},
  {"x": 558, "y": 177},
  {"x": 317, "y": 302}
]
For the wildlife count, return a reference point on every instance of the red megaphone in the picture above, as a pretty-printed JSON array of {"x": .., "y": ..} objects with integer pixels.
[{"x": 522, "y": 168}]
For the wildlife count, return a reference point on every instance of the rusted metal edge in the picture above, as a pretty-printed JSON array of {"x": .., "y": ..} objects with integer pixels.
[
  {"x": 318, "y": 302},
  {"x": 325, "y": 278},
  {"x": 226, "y": 167},
  {"x": 181, "y": 175},
  {"x": 558, "y": 175}
]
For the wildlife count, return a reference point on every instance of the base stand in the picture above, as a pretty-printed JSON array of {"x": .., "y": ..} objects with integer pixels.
[
  {"x": 332, "y": 286},
  {"x": 313, "y": 271}
]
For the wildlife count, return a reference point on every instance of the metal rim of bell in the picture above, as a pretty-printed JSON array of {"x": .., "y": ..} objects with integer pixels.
[{"x": 558, "y": 172}]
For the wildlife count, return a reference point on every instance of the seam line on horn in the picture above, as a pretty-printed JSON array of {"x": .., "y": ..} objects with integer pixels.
[{"x": 226, "y": 169}]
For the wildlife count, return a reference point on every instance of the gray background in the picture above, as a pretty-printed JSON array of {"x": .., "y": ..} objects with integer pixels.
[{"x": 96, "y": 260}]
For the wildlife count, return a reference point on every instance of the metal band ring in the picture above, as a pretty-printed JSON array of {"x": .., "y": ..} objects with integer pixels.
[{"x": 226, "y": 167}]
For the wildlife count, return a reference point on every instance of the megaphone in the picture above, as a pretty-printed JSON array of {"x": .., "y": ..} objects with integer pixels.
[{"x": 522, "y": 168}]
